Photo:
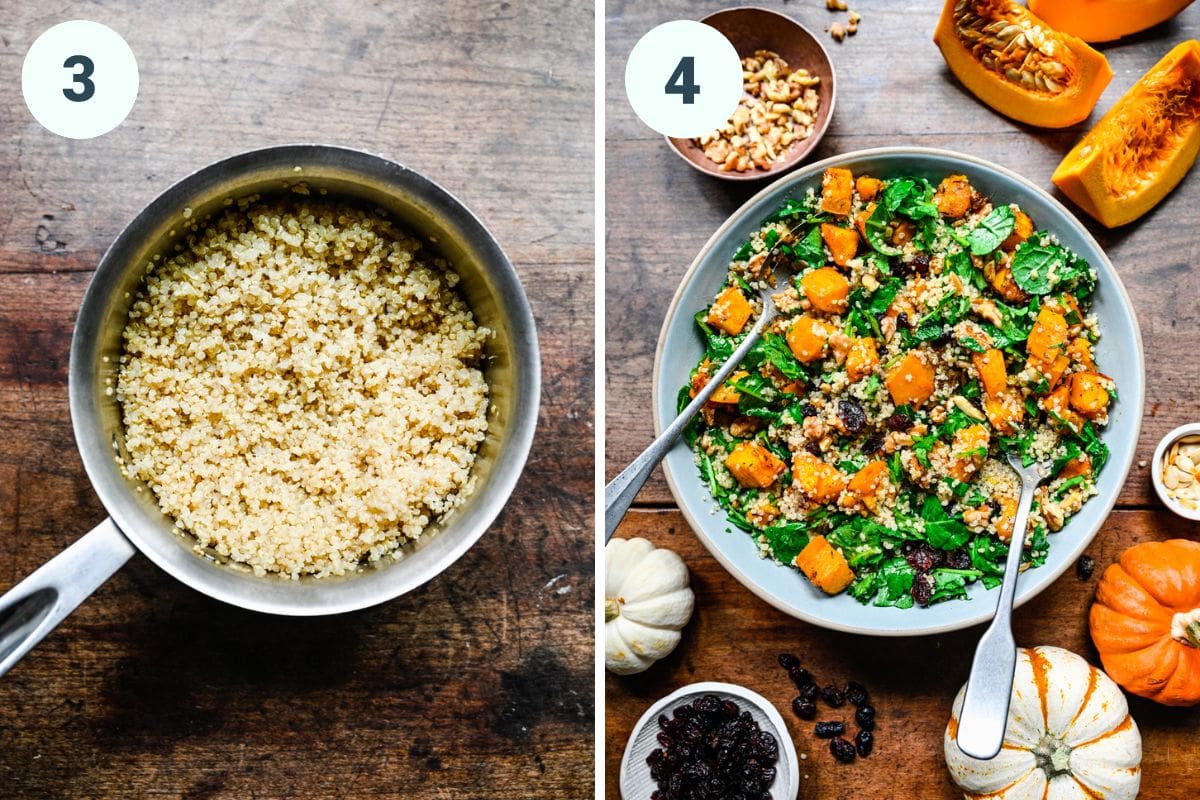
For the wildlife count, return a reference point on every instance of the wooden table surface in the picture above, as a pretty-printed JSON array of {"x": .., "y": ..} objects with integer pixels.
[
  {"x": 480, "y": 684},
  {"x": 893, "y": 89}
]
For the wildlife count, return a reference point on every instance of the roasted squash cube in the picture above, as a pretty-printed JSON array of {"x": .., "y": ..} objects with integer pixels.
[
  {"x": 730, "y": 311},
  {"x": 867, "y": 187},
  {"x": 1057, "y": 406},
  {"x": 1048, "y": 338},
  {"x": 910, "y": 380},
  {"x": 1089, "y": 394},
  {"x": 826, "y": 289},
  {"x": 725, "y": 393},
  {"x": 992, "y": 372},
  {"x": 968, "y": 452},
  {"x": 1080, "y": 465},
  {"x": 1080, "y": 352},
  {"x": 837, "y": 191},
  {"x": 842, "y": 243},
  {"x": 1000, "y": 277},
  {"x": 754, "y": 466},
  {"x": 1022, "y": 230},
  {"x": 1005, "y": 412},
  {"x": 861, "y": 359},
  {"x": 1008, "y": 515},
  {"x": 824, "y": 566},
  {"x": 953, "y": 196},
  {"x": 807, "y": 338},
  {"x": 820, "y": 483},
  {"x": 863, "y": 488}
]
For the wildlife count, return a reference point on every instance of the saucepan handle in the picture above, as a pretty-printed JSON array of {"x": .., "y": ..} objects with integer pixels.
[{"x": 36, "y": 605}]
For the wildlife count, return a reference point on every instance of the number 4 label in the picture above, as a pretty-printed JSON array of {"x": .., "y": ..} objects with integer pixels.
[
  {"x": 703, "y": 77},
  {"x": 683, "y": 80}
]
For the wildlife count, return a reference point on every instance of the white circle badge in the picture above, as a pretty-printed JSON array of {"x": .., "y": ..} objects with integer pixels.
[
  {"x": 80, "y": 79},
  {"x": 684, "y": 79}
]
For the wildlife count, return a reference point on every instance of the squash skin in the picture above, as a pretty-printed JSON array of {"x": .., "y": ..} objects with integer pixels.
[
  {"x": 1061, "y": 110},
  {"x": 1081, "y": 175},
  {"x": 1130, "y": 622},
  {"x": 1105, "y": 20}
]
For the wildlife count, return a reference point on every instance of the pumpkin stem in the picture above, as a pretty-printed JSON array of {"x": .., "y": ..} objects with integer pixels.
[
  {"x": 1185, "y": 628},
  {"x": 1053, "y": 756},
  {"x": 612, "y": 608}
]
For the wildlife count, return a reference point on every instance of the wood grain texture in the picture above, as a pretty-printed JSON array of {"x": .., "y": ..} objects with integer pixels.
[
  {"x": 893, "y": 89},
  {"x": 478, "y": 684},
  {"x": 736, "y": 637}
]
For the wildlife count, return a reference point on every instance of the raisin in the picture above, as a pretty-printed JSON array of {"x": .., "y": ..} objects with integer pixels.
[
  {"x": 809, "y": 692},
  {"x": 920, "y": 263},
  {"x": 828, "y": 730},
  {"x": 872, "y": 444},
  {"x": 899, "y": 422},
  {"x": 902, "y": 320},
  {"x": 852, "y": 416},
  {"x": 813, "y": 448},
  {"x": 800, "y": 676},
  {"x": 924, "y": 558},
  {"x": 809, "y": 410},
  {"x": 865, "y": 740},
  {"x": 1084, "y": 567},
  {"x": 787, "y": 661},
  {"x": 833, "y": 696},
  {"x": 865, "y": 717},
  {"x": 856, "y": 693},
  {"x": 804, "y": 709},
  {"x": 958, "y": 559},
  {"x": 842, "y": 750},
  {"x": 922, "y": 589}
]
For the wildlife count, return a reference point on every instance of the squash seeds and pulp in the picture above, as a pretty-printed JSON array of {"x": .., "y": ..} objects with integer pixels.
[{"x": 928, "y": 330}]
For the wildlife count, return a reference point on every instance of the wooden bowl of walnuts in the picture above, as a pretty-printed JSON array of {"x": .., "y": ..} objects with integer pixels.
[{"x": 788, "y": 99}]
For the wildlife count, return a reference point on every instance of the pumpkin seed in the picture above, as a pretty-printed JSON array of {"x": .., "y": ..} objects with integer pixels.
[{"x": 1006, "y": 40}]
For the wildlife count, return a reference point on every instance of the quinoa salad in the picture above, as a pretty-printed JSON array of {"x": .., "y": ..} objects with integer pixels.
[
  {"x": 928, "y": 331},
  {"x": 300, "y": 386}
]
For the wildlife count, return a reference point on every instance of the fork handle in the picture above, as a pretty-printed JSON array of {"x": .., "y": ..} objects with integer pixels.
[
  {"x": 984, "y": 715},
  {"x": 621, "y": 490}
]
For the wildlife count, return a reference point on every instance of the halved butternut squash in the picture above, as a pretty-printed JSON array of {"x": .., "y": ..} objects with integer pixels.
[
  {"x": 1141, "y": 149},
  {"x": 1019, "y": 65},
  {"x": 1105, "y": 20}
]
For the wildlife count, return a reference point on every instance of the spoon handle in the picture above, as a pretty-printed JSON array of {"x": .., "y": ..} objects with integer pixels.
[
  {"x": 984, "y": 715},
  {"x": 619, "y": 493}
]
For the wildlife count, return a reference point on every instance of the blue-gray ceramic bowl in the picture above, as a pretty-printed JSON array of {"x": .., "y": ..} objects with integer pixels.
[{"x": 1118, "y": 354}]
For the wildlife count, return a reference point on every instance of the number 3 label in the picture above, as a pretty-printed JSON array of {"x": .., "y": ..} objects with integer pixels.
[
  {"x": 79, "y": 79},
  {"x": 684, "y": 79}
]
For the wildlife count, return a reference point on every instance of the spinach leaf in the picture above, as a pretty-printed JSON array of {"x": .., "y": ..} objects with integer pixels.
[
  {"x": 987, "y": 556},
  {"x": 911, "y": 197},
  {"x": 860, "y": 542},
  {"x": 876, "y": 228},
  {"x": 786, "y": 540},
  {"x": 744, "y": 252},
  {"x": 942, "y": 530},
  {"x": 896, "y": 578},
  {"x": 951, "y": 583},
  {"x": 810, "y": 249},
  {"x": 718, "y": 347},
  {"x": 1041, "y": 268},
  {"x": 960, "y": 264},
  {"x": 773, "y": 349},
  {"x": 991, "y": 231}
]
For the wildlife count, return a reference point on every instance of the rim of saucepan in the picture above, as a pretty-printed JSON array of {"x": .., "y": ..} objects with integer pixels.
[
  {"x": 333, "y": 594},
  {"x": 1043, "y": 576}
]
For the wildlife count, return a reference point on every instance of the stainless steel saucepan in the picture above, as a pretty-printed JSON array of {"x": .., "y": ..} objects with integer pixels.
[{"x": 490, "y": 285}]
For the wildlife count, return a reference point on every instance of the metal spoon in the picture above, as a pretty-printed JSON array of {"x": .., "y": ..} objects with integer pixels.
[
  {"x": 984, "y": 716},
  {"x": 619, "y": 493}
]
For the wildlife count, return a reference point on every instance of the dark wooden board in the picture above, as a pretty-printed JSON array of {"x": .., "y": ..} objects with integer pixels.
[
  {"x": 478, "y": 684},
  {"x": 893, "y": 89},
  {"x": 736, "y": 637}
]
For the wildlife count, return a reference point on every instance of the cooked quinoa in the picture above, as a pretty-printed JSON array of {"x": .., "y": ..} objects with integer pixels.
[
  {"x": 927, "y": 332},
  {"x": 300, "y": 387}
]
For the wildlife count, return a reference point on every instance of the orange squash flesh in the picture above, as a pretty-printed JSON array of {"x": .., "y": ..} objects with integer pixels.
[
  {"x": 1019, "y": 65},
  {"x": 1141, "y": 149},
  {"x": 1105, "y": 20}
]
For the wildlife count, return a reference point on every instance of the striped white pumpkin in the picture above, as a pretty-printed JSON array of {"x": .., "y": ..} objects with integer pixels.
[
  {"x": 1069, "y": 736},
  {"x": 647, "y": 602}
]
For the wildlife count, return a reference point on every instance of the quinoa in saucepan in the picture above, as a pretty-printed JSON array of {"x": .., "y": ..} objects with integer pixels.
[
  {"x": 929, "y": 329},
  {"x": 300, "y": 387}
]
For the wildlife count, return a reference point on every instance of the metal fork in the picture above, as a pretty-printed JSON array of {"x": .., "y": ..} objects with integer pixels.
[
  {"x": 984, "y": 715},
  {"x": 619, "y": 493}
]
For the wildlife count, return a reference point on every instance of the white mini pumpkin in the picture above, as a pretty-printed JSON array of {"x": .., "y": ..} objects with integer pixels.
[
  {"x": 647, "y": 603},
  {"x": 1069, "y": 736}
]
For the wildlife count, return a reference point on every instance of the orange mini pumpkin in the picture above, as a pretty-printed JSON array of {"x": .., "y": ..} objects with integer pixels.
[{"x": 1146, "y": 621}]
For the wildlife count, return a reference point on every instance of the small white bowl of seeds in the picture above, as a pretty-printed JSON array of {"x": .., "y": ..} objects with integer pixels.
[{"x": 1176, "y": 470}]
